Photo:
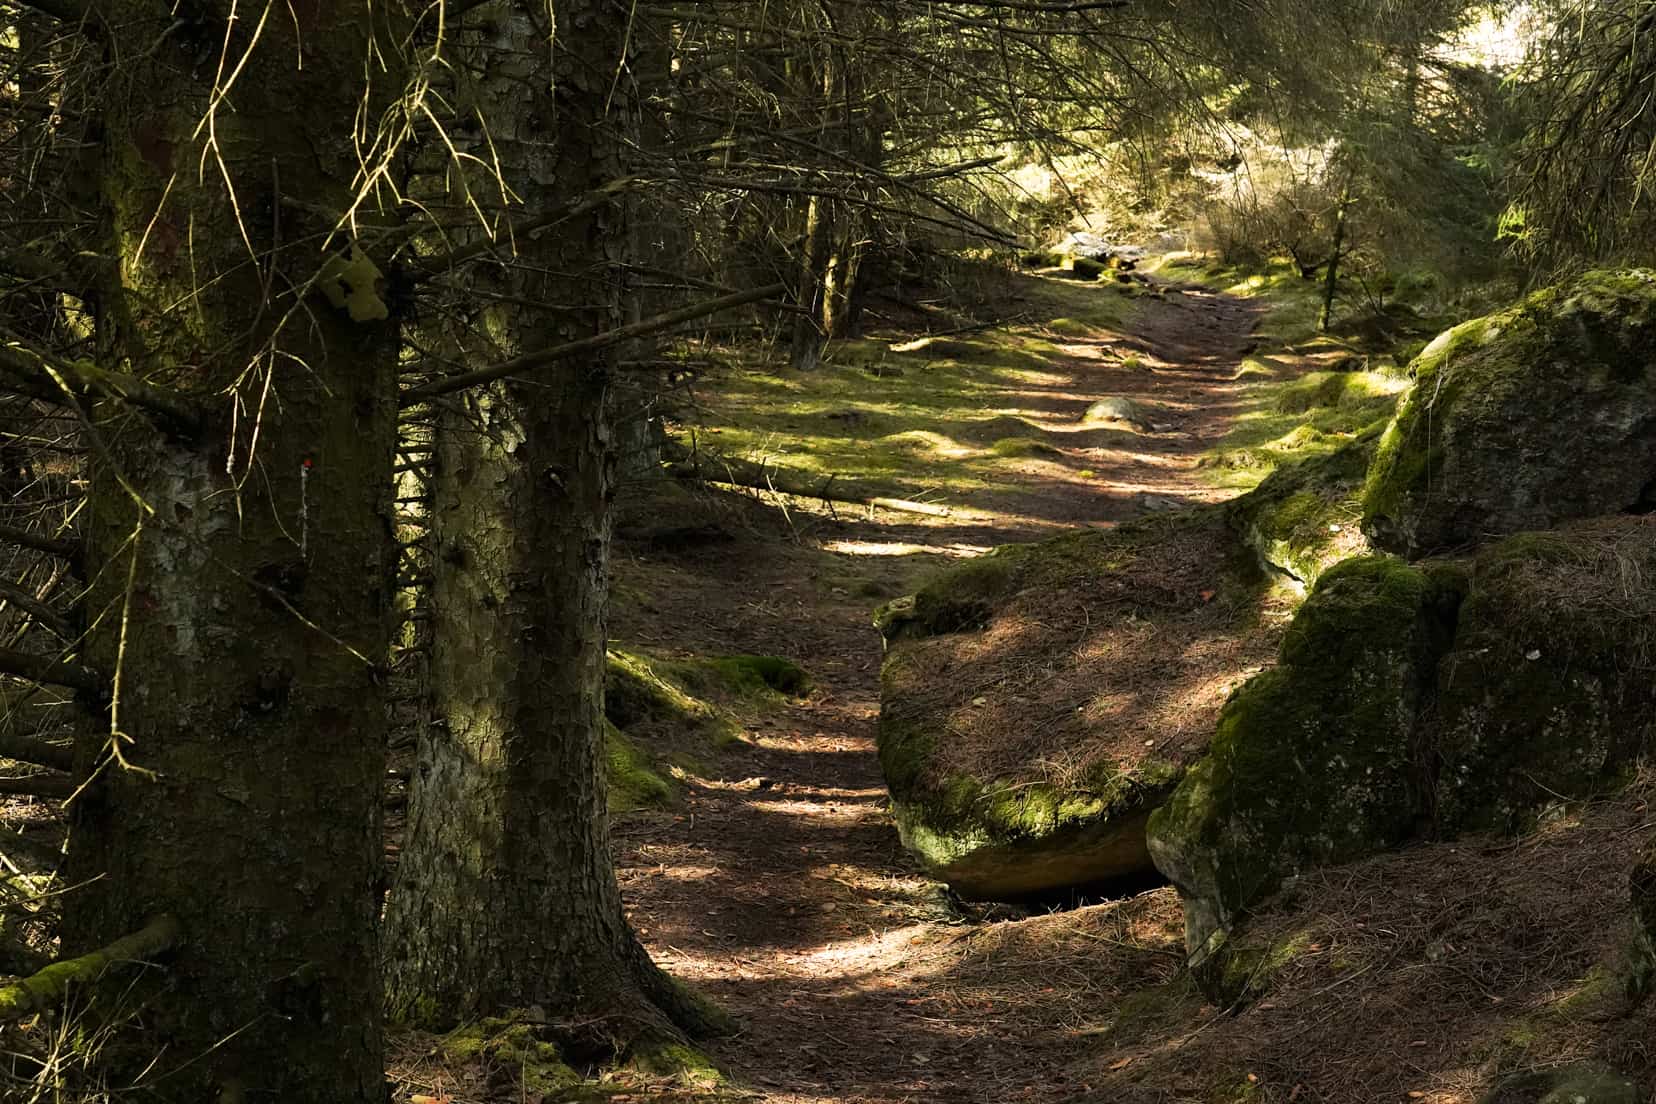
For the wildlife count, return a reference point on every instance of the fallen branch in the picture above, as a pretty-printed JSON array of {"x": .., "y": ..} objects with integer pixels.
[
  {"x": 731, "y": 472},
  {"x": 37, "y": 610},
  {"x": 540, "y": 359},
  {"x": 41, "y": 669},
  {"x": 67, "y": 549},
  {"x": 15, "y": 846},
  {"x": 67, "y": 11},
  {"x": 45, "y": 989},
  {"x": 51, "y": 786},
  {"x": 22, "y": 748}
]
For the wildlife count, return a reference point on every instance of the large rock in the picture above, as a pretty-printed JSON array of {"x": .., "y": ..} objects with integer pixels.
[
  {"x": 1548, "y": 694},
  {"x": 1303, "y": 518},
  {"x": 1454, "y": 697},
  {"x": 1039, "y": 702},
  {"x": 1523, "y": 419},
  {"x": 1313, "y": 761}
]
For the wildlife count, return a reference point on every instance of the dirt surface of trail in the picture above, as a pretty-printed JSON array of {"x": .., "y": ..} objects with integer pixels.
[{"x": 780, "y": 888}]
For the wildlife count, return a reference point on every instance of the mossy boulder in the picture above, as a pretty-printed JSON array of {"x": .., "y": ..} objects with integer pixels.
[
  {"x": 1523, "y": 419},
  {"x": 1039, "y": 702},
  {"x": 1116, "y": 410},
  {"x": 1303, "y": 518},
  {"x": 1548, "y": 694},
  {"x": 1312, "y": 763},
  {"x": 1584, "y": 1083},
  {"x": 1012, "y": 841}
]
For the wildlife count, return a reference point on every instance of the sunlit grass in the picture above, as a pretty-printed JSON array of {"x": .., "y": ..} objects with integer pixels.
[
  {"x": 902, "y": 415},
  {"x": 1295, "y": 419}
]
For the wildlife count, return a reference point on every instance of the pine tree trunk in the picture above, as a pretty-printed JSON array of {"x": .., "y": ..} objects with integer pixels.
[
  {"x": 805, "y": 351},
  {"x": 1331, "y": 280},
  {"x": 862, "y": 132},
  {"x": 506, "y": 894},
  {"x": 248, "y": 646},
  {"x": 659, "y": 239}
]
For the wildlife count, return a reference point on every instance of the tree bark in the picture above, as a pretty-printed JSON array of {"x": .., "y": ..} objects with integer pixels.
[
  {"x": 805, "y": 350},
  {"x": 241, "y": 572},
  {"x": 506, "y": 894},
  {"x": 1331, "y": 280}
]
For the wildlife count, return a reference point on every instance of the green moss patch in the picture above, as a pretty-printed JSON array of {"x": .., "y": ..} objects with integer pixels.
[
  {"x": 517, "y": 1047},
  {"x": 1304, "y": 517},
  {"x": 678, "y": 1061},
  {"x": 1289, "y": 418},
  {"x": 647, "y": 692},
  {"x": 633, "y": 781},
  {"x": 1016, "y": 447},
  {"x": 662, "y": 711}
]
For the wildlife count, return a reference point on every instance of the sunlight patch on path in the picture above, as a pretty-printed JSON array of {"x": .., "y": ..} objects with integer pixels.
[{"x": 903, "y": 548}]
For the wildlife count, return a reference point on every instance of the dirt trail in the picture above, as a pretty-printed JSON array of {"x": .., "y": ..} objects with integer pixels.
[{"x": 781, "y": 888}]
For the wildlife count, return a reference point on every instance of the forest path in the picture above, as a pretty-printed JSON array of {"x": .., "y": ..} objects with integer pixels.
[{"x": 780, "y": 888}]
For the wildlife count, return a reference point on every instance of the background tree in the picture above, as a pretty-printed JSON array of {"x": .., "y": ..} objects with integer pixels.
[{"x": 1584, "y": 171}]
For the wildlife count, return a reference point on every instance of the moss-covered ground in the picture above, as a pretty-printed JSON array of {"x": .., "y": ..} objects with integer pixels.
[{"x": 946, "y": 417}]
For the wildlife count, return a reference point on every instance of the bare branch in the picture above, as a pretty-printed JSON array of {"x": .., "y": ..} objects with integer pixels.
[
  {"x": 531, "y": 361},
  {"x": 22, "y": 748},
  {"x": 592, "y": 201},
  {"x": 78, "y": 12},
  {"x": 34, "y": 372},
  {"x": 41, "y": 669},
  {"x": 53, "y": 786},
  {"x": 67, "y": 549},
  {"x": 15, "y": 846},
  {"x": 43, "y": 614}
]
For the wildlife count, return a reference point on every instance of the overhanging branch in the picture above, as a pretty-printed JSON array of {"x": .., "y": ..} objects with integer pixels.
[
  {"x": 39, "y": 375},
  {"x": 540, "y": 359},
  {"x": 592, "y": 201}
]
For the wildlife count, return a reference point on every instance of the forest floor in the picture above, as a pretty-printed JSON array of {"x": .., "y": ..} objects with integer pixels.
[
  {"x": 774, "y": 880},
  {"x": 779, "y": 887}
]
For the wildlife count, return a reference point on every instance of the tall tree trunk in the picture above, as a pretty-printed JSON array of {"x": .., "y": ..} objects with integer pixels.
[
  {"x": 658, "y": 240},
  {"x": 241, "y": 591},
  {"x": 805, "y": 350},
  {"x": 1331, "y": 280},
  {"x": 862, "y": 120},
  {"x": 506, "y": 894}
]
